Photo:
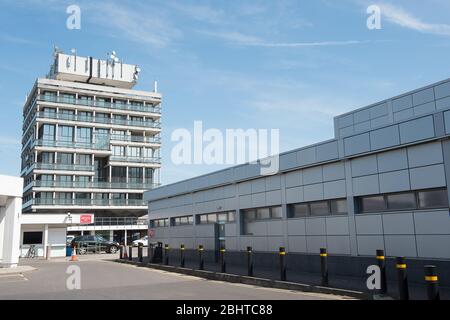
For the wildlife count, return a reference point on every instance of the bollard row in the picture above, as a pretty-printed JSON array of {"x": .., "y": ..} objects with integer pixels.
[{"x": 431, "y": 277}]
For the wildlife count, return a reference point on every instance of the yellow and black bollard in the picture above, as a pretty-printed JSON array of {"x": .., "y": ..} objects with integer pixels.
[
  {"x": 382, "y": 265},
  {"x": 166, "y": 254},
  {"x": 282, "y": 263},
  {"x": 432, "y": 281},
  {"x": 250, "y": 261},
  {"x": 140, "y": 256},
  {"x": 130, "y": 253},
  {"x": 182, "y": 261},
  {"x": 121, "y": 252},
  {"x": 223, "y": 266},
  {"x": 201, "y": 263},
  {"x": 402, "y": 278},
  {"x": 324, "y": 266}
]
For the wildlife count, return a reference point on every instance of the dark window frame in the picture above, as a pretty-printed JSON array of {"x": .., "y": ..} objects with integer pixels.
[{"x": 386, "y": 207}]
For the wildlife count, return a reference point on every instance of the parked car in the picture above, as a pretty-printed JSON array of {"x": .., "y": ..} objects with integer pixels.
[
  {"x": 143, "y": 240},
  {"x": 88, "y": 243}
]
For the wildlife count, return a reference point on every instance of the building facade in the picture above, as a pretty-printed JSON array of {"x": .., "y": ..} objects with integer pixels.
[
  {"x": 91, "y": 144},
  {"x": 381, "y": 183},
  {"x": 10, "y": 211}
]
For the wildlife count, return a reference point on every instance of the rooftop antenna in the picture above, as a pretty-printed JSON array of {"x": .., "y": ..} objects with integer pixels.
[
  {"x": 155, "y": 88},
  {"x": 114, "y": 60},
  {"x": 137, "y": 71}
]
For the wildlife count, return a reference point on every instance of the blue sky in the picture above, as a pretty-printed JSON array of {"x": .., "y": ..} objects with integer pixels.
[{"x": 285, "y": 64}]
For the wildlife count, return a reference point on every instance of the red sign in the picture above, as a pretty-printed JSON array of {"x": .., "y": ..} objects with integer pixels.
[
  {"x": 151, "y": 233},
  {"x": 86, "y": 219}
]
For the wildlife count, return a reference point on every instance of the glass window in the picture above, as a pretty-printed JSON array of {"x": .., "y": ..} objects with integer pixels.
[
  {"x": 212, "y": 218},
  {"x": 372, "y": 203},
  {"x": 249, "y": 215},
  {"x": 65, "y": 133},
  {"x": 231, "y": 216},
  {"x": 319, "y": 208},
  {"x": 119, "y": 174},
  {"x": 134, "y": 152},
  {"x": 65, "y": 158},
  {"x": 64, "y": 178},
  {"x": 84, "y": 135},
  {"x": 276, "y": 213},
  {"x": 47, "y": 157},
  {"x": 118, "y": 151},
  {"x": 338, "y": 206},
  {"x": 262, "y": 214},
  {"x": 135, "y": 175},
  {"x": 401, "y": 201},
  {"x": 433, "y": 198},
  {"x": 32, "y": 238},
  {"x": 299, "y": 210},
  {"x": 84, "y": 159},
  {"x": 48, "y": 132},
  {"x": 203, "y": 219},
  {"x": 222, "y": 217}
]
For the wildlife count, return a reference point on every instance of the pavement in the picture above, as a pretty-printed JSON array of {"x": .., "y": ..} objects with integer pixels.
[{"x": 103, "y": 279}]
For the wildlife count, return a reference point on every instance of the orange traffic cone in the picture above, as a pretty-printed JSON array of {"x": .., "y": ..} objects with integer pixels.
[{"x": 74, "y": 254}]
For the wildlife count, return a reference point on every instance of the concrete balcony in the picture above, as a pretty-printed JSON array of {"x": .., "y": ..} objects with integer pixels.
[
  {"x": 98, "y": 120},
  {"x": 100, "y": 104}
]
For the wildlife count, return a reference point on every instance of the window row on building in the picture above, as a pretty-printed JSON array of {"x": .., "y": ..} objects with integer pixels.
[
  {"x": 87, "y": 100},
  {"x": 411, "y": 200},
  {"x": 259, "y": 214},
  {"x": 318, "y": 208},
  {"x": 210, "y": 218}
]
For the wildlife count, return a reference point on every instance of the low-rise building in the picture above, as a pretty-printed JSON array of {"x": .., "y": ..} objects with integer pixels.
[{"x": 380, "y": 183}]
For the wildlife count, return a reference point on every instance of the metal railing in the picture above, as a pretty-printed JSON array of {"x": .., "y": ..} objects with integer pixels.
[
  {"x": 102, "y": 120},
  {"x": 101, "y": 104},
  {"x": 127, "y": 138},
  {"x": 119, "y": 221},
  {"x": 62, "y": 167},
  {"x": 89, "y": 202},
  {"x": 101, "y": 145},
  {"x": 93, "y": 185},
  {"x": 135, "y": 159}
]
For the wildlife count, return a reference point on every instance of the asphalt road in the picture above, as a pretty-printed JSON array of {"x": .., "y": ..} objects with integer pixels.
[{"x": 102, "y": 279}]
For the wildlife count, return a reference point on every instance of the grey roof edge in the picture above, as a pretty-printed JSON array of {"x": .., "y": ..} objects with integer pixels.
[
  {"x": 246, "y": 164},
  {"x": 393, "y": 98}
]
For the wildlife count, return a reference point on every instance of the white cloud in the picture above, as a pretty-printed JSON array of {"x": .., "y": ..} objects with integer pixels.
[
  {"x": 247, "y": 40},
  {"x": 142, "y": 24},
  {"x": 401, "y": 17}
]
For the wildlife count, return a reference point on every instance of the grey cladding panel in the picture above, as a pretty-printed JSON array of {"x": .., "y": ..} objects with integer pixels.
[
  {"x": 423, "y": 96},
  {"x": 357, "y": 144},
  {"x": 378, "y": 111},
  {"x": 306, "y": 156},
  {"x": 402, "y": 103},
  {"x": 395, "y": 181},
  {"x": 385, "y": 138},
  {"x": 362, "y": 116},
  {"x": 364, "y": 166},
  {"x": 333, "y": 171},
  {"x": 288, "y": 161},
  {"x": 327, "y": 151},
  {"x": 425, "y": 154},
  {"x": 442, "y": 90},
  {"x": 392, "y": 160},
  {"x": 416, "y": 130},
  {"x": 312, "y": 175},
  {"x": 428, "y": 177},
  {"x": 345, "y": 121},
  {"x": 294, "y": 179}
]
